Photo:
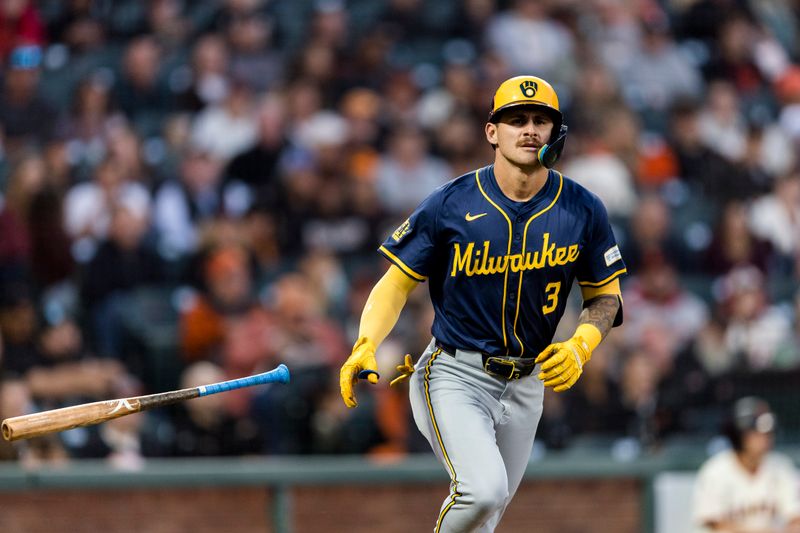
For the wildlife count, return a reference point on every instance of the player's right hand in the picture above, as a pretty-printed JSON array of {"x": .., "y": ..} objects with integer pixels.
[{"x": 361, "y": 360}]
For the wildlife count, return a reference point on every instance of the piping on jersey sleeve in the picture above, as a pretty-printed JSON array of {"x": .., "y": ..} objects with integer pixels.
[
  {"x": 603, "y": 282},
  {"x": 401, "y": 265},
  {"x": 611, "y": 288},
  {"x": 508, "y": 253},
  {"x": 524, "y": 243}
]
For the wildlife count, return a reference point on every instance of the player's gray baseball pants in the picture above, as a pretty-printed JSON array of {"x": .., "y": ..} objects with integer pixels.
[{"x": 481, "y": 428}]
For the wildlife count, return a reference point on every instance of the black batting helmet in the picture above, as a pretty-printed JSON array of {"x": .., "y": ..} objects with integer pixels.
[{"x": 749, "y": 414}]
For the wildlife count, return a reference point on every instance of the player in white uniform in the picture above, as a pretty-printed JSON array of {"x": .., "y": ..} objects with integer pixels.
[{"x": 750, "y": 488}]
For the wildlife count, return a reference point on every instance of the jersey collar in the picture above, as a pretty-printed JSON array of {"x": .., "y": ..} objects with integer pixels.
[{"x": 542, "y": 199}]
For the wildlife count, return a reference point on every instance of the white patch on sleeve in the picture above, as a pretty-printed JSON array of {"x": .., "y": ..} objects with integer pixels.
[{"x": 612, "y": 255}]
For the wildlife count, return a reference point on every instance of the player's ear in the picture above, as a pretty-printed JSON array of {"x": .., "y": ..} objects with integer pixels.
[{"x": 491, "y": 133}]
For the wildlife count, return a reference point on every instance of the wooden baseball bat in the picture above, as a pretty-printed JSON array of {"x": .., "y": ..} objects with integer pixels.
[{"x": 88, "y": 414}]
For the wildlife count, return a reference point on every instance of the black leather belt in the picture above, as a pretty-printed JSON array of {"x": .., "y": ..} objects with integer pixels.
[{"x": 498, "y": 366}]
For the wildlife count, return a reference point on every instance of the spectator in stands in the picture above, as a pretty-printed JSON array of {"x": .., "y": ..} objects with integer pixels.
[
  {"x": 88, "y": 206},
  {"x": 330, "y": 25},
  {"x": 533, "y": 42},
  {"x": 89, "y": 120},
  {"x": 595, "y": 88},
  {"x": 650, "y": 232},
  {"x": 639, "y": 399},
  {"x": 226, "y": 324},
  {"x": 235, "y": 116},
  {"x": 208, "y": 81},
  {"x": 453, "y": 98},
  {"x": 601, "y": 392},
  {"x": 126, "y": 147},
  {"x": 26, "y": 181},
  {"x": 407, "y": 171},
  {"x": 734, "y": 244},
  {"x": 775, "y": 217},
  {"x": 411, "y": 22},
  {"x": 732, "y": 59},
  {"x": 361, "y": 108},
  {"x": 166, "y": 21},
  {"x": 259, "y": 166},
  {"x": 183, "y": 203},
  {"x": 654, "y": 297},
  {"x": 318, "y": 64},
  {"x": 754, "y": 329},
  {"x": 15, "y": 245},
  {"x": 722, "y": 126},
  {"x": 658, "y": 73},
  {"x": 455, "y": 141},
  {"x": 787, "y": 90},
  {"x": 303, "y": 103},
  {"x": 252, "y": 60},
  {"x": 34, "y": 241},
  {"x": 139, "y": 91},
  {"x": 603, "y": 171},
  {"x": 788, "y": 355},
  {"x": 51, "y": 247},
  {"x": 21, "y": 23},
  {"x": 706, "y": 171},
  {"x": 401, "y": 95},
  {"x": 26, "y": 117},
  {"x": 79, "y": 27},
  {"x": 123, "y": 262}
]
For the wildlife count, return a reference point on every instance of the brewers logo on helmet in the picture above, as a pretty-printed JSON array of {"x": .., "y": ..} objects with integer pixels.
[{"x": 533, "y": 91}]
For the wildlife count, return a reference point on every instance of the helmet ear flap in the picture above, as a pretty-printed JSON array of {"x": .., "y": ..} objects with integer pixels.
[{"x": 549, "y": 153}]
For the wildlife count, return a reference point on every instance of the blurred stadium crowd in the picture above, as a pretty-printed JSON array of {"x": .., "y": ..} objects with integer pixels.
[{"x": 196, "y": 190}]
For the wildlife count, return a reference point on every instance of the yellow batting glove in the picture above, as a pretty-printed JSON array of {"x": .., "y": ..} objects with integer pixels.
[
  {"x": 406, "y": 369},
  {"x": 360, "y": 364},
  {"x": 563, "y": 363}
]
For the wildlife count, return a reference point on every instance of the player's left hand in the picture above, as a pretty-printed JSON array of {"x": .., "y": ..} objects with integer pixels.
[
  {"x": 563, "y": 363},
  {"x": 360, "y": 364}
]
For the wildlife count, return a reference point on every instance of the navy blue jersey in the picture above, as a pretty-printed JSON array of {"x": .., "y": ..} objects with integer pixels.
[{"x": 500, "y": 271}]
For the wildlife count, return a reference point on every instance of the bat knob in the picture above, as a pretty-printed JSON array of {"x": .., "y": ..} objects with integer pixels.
[
  {"x": 282, "y": 373},
  {"x": 364, "y": 374}
]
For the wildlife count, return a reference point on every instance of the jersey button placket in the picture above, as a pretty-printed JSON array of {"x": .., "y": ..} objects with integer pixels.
[{"x": 513, "y": 279}]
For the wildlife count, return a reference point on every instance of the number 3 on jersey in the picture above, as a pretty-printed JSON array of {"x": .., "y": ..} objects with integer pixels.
[{"x": 552, "y": 297}]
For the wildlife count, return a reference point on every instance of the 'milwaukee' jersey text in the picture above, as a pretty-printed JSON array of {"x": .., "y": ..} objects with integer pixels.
[
  {"x": 500, "y": 271},
  {"x": 479, "y": 262}
]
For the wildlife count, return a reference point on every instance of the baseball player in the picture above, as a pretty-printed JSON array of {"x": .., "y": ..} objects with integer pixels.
[
  {"x": 748, "y": 488},
  {"x": 500, "y": 248}
]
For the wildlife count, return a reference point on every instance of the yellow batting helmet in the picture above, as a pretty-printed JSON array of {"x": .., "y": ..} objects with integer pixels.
[
  {"x": 524, "y": 90},
  {"x": 533, "y": 91}
]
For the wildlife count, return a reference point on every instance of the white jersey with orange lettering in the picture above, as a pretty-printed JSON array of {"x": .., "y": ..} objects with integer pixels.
[{"x": 726, "y": 492}]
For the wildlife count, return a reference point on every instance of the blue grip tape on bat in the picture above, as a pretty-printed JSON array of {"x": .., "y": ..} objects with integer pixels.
[{"x": 279, "y": 375}]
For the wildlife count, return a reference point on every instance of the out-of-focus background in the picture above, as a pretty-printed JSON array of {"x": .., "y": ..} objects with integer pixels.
[{"x": 195, "y": 190}]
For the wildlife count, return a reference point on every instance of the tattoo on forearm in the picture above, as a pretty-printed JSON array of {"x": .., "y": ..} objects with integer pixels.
[{"x": 600, "y": 312}]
